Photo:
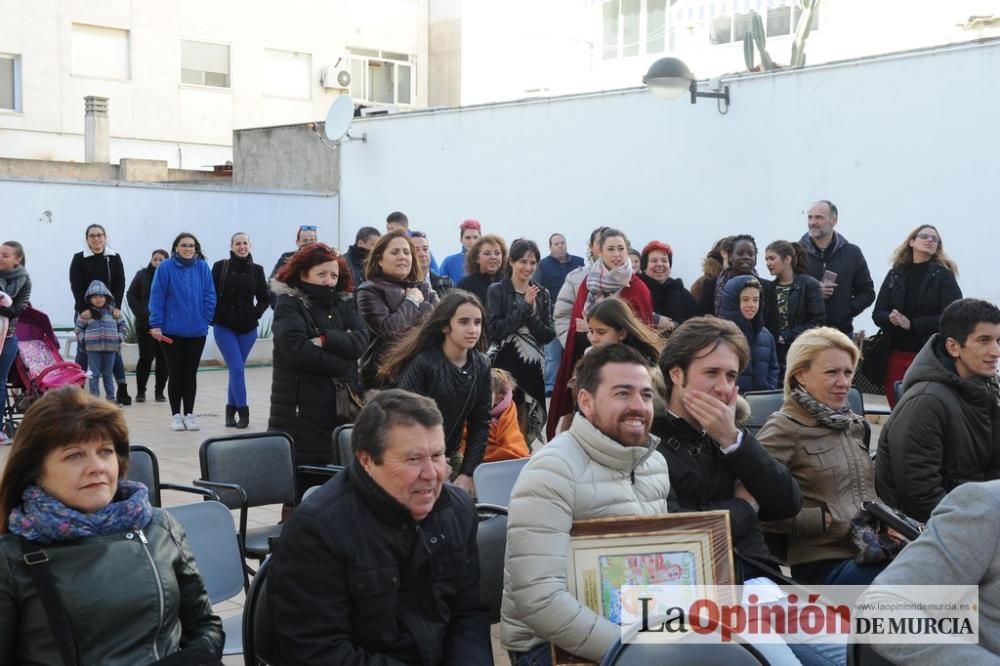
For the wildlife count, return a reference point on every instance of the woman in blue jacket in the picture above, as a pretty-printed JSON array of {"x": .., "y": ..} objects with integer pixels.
[{"x": 181, "y": 307}]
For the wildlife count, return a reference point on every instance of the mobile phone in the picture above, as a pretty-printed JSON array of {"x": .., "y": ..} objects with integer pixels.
[
  {"x": 897, "y": 520},
  {"x": 167, "y": 340},
  {"x": 829, "y": 277}
]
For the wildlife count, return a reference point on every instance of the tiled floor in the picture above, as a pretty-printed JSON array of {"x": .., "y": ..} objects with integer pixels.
[{"x": 178, "y": 451}]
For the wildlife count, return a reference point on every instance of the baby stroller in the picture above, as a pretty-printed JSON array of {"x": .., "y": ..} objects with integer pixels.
[{"x": 38, "y": 366}]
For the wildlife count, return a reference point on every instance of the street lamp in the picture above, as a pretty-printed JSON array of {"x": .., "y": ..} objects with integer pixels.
[{"x": 669, "y": 78}]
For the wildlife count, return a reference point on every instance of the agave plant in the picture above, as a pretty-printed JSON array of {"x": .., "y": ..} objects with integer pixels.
[
  {"x": 130, "y": 335},
  {"x": 264, "y": 328}
]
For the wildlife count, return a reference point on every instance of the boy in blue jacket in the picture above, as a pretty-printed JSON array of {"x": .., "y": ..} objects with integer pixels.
[{"x": 741, "y": 299}]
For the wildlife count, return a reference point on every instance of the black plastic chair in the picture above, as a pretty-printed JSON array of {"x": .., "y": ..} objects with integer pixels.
[
  {"x": 645, "y": 654},
  {"x": 145, "y": 468},
  {"x": 250, "y": 470},
  {"x": 762, "y": 405},
  {"x": 343, "y": 454},
  {"x": 491, "y": 539},
  {"x": 211, "y": 535},
  {"x": 861, "y": 654},
  {"x": 259, "y": 642}
]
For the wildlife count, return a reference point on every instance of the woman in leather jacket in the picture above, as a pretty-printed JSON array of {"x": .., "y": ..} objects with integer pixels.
[
  {"x": 519, "y": 323},
  {"x": 921, "y": 284},
  {"x": 318, "y": 338},
  {"x": 392, "y": 300},
  {"x": 443, "y": 360},
  {"x": 123, "y": 574}
]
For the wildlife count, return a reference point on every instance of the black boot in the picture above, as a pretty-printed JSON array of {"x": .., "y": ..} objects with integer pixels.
[
  {"x": 230, "y": 416},
  {"x": 244, "y": 414},
  {"x": 123, "y": 398},
  {"x": 140, "y": 396},
  {"x": 159, "y": 397}
]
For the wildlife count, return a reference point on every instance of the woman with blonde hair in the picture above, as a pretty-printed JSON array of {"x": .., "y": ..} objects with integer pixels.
[
  {"x": 90, "y": 573},
  {"x": 920, "y": 285},
  {"x": 822, "y": 443}
]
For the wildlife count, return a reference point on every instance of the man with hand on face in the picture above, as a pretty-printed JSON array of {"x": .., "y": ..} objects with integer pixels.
[
  {"x": 605, "y": 464},
  {"x": 713, "y": 463},
  {"x": 380, "y": 565}
]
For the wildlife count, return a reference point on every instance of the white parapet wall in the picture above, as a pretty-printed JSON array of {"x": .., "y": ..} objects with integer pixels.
[{"x": 895, "y": 141}]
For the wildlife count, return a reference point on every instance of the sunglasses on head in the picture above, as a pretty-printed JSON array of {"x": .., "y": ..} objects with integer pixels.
[{"x": 307, "y": 227}]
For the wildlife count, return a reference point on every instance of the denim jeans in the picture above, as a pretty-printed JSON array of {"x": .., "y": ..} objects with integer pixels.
[
  {"x": 553, "y": 356},
  {"x": 7, "y": 356},
  {"x": 83, "y": 361},
  {"x": 102, "y": 365},
  {"x": 540, "y": 655},
  {"x": 235, "y": 348}
]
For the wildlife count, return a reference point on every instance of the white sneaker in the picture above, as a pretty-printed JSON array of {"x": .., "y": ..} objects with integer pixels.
[
  {"x": 190, "y": 423},
  {"x": 176, "y": 422}
]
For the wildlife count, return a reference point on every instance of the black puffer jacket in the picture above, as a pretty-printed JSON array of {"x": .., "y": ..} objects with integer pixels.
[
  {"x": 479, "y": 284},
  {"x": 671, "y": 299},
  {"x": 241, "y": 291},
  {"x": 805, "y": 310},
  {"x": 130, "y": 598},
  {"x": 388, "y": 315},
  {"x": 702, "y": 478},
  {"x": 138, "y": 296},
  {"x": 87, "y": 267},
  {"x": 356, "y": 580},
  {"x": 441, "y": 284},
  {"x": 945, "y": 431},
  {"x": 937, "y": 291},
  {"x": 462, "y": 394},
  {"x": 303, "y": 396},
  {"x": 855, "y": 290}
]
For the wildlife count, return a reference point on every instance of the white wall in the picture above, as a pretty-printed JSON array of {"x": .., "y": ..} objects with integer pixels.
[
  {"x": 894, "y": 141},
  {"x": 142, "y": 218}
]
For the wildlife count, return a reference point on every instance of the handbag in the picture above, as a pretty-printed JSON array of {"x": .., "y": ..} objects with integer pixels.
[
  {"x": 875, "y": 358},
  {"x": 870, "y": 538}
]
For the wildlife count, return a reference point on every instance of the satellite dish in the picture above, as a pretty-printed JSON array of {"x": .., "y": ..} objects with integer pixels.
[{"x": 339, "y": 117}]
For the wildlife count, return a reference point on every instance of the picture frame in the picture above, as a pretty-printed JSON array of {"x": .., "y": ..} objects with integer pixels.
[{"x": 677, "y": 548}]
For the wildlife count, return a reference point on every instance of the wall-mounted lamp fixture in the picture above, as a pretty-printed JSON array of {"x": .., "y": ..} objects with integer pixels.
[{"x": 669, "y": 78}]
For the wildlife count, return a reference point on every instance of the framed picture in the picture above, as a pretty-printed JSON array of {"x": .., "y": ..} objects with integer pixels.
[{"x": 690, "y": 549}]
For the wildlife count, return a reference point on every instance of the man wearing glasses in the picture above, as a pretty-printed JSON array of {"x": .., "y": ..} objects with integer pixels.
[
  {"x": 840, "y": 267},
  {"x": 306, "y": 235}
]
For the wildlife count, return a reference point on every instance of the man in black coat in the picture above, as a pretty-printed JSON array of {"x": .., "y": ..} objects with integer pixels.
[
  {"x": 357, "y": 254},
  {"x": 851, "y": 290},
  {"x": 98, "y": 262},
  {"x": 945, "y": 431},
  {"x": 713, "y": 463},
  {"x": 380, "y": 565}
]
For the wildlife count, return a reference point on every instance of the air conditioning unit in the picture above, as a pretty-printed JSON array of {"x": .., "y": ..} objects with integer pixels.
[{"x": 332, "y": 78}]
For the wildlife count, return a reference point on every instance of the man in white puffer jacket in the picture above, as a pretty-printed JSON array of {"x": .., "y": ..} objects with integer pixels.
[{"x": 606, "y": 464}]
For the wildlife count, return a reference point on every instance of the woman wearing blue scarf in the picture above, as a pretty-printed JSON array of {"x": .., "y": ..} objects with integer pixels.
[
  {"x": 181, "y": 306},
  {"x": 125, "y": 580}
]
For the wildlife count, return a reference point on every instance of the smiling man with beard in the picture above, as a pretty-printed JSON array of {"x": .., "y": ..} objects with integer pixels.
[
  {"x": 380, "y": 565},
  {"x": 605, "y": 464}
]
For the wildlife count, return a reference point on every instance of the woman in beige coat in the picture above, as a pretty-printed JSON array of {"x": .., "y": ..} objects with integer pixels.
[{"x": 821, "y": 441}]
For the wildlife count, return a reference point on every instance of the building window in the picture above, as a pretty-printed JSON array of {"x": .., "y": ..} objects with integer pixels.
[
  {"x": 780, "y": 21},
  {"x": 632, "y": 27},
  {"x": 204, "y": 64},
  {"x": 10, "y": 82},
  {"x": 381, "y": 77},
  {"x": 287, "y": 74},
  {"x": 100, "y": 52}
]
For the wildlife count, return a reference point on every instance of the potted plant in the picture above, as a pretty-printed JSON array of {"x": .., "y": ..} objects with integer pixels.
[
  {"x": 263, "y": 349},
  {"x": 130, "y": 348}
]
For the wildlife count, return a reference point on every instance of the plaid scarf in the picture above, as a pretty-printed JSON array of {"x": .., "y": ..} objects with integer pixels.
[{"x": 603, "y": 282}]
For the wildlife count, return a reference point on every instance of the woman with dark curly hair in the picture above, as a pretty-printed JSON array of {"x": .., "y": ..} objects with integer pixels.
[
  {"x": 318, "y": 338},
  {"x": 484, "y": 265}
]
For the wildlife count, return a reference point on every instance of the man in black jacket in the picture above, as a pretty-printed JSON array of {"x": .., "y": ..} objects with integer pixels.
[
  {"x": 945, "y": 431},
  {"x": 98, "y": 262},
  {"x": 380, "y": 565},
  {"x": 357, "y": 254},
  {"x": 850, "y": 291},
  {"x": 713, "y": 463}
]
